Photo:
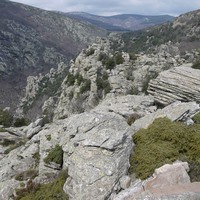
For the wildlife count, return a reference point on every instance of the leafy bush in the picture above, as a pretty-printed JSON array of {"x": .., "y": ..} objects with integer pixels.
[
  {"x": 165, "y": 142},
  {"x": 109, "y": 62},
  {"x": 102, "y": 56},
  {"x": 70, "y": 79},
  {"x": 55, "y": 155},
  {"x": 131, "y": 119},
  {"x": 71, "y": 95},
  {"x": 6, "y": 118},
  {"x": 90, "y": 52},
  {"x": 19, "y": 122},
  {"x": 7, "y": 142},
  {"x": 196, "y": 118},
  {"x": 36, "y": 156},
  {"x": 132, "y": 56},
  {"x": 79, "y": 78},
  {"x": 50, "y": 191},
  {"x": 119, "y": 59},
  {"x": 86, "y": 86},
  {"x": 196, "y": 65},
  {"x": 103, "y": 83},
  {"x": 14, "y": 146}
]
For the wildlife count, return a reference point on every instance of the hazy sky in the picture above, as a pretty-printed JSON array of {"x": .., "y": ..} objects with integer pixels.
[{"x": 112, "y": 7}]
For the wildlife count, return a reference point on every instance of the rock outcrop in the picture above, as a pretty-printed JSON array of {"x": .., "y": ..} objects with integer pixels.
[
  {"x": 176, "y": 111},
  {"x": 98, "y": 155},
  {"x": 177, "y": 84},
  {"x": 98, "y": 72},
  {"x": 169, "y": 182}
]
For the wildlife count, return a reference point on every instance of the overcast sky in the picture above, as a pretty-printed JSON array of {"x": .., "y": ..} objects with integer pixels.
[{"x": 112, "y": 7}]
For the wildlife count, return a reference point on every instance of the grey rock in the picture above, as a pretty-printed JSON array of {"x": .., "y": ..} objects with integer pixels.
[
  {"x": 174, "y": 111},
  {"x": 125, "y": 182},
  {"x": 177, "y": 84},
  {"x": 127, "y": 105},
  {"x": 169, "y": 182},
  {"x": 7, "y": 188},
  {"x": 98, "y": 154}
]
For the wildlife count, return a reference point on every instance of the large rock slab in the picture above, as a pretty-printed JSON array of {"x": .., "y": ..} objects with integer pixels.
[
  {"x": 169, "y": 182},
  {"x": 98, "y": 154},
  {"x": 127, "y": 105},
  {"x": 177, "y": 84}
]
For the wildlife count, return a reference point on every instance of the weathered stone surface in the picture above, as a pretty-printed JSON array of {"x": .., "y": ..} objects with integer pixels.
[
  {"x": 18, "y": 160},
  {"x": 169, "y": 175},
  {"x": 33, "y": 128},
  {"x": 98, "y": 154},
  {"x": 169, "y": 182},
  {"x": 127, "y": 105},
  {"x": 175, "y": 111},
  {"x": 177, "y": 84},
  {"x": 7, "y": 188}
]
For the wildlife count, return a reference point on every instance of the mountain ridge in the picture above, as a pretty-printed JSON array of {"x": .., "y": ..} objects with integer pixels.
[
  {"x": 33, "y": 41},
  {"x": 121, "y": 22}
]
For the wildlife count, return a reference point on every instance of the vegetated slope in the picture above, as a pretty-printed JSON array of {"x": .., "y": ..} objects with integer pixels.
[
  {"x": 32, "y": 41},
  {"x": 124, "y": 22},
  {"x": 184, "y": 30}
]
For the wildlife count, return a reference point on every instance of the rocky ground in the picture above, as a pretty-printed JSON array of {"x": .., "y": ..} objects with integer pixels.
[{"x": 91, "y": 119}]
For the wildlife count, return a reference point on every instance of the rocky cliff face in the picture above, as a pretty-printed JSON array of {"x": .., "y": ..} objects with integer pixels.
[{"x": 32, "y": 41}]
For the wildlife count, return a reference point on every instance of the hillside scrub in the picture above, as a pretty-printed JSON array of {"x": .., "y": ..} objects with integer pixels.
[
  {"x": 165, "y": 142},
  {"x": 50, "y": 191},
  {"x": 55, "y": 155},
  {"x": 196, "y": 65}
]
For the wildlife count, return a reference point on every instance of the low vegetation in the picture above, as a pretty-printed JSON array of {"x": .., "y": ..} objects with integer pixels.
[
  {"x": 6, "y": 118},
  {"x": 50, "y": 191},
  {"x": 165, "y": 142},
  {"x": 55, "y": 155},
  {"x": 14, "y": 145},
  {"x": 131, "y": 119},
  {"x": 25, "y": 175},
  {"x": 196, "y": 65}
]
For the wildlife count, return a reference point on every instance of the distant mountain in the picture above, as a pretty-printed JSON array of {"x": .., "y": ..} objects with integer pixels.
[
  {"x": 124, "y": 22},
  {"x": 32, "y": 41},
  {"x": 184, "y": 30}
]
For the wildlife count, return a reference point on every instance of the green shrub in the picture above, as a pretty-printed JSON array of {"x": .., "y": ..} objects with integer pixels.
[
  {"x": 28, "y": 174},
  {"x": 55, "y": 155},
  {"x": 86, "y": 86},
  {"x": 119, "y": 59},
  {"x": 71, "y": 95},
  {"x": 79, "y": 78},
  {"x": 90, "y": 52},
  {"x": 102, "y": 56},
  {"x": 196, "y": 118},
  {"x": 48, "y": 137},
  {"x": 196, "y": 65},
  {"x": 50, "y": 191},
  {"x": 164, "y": 142},
  {"x": 109, "y": 63},
  {"x": 6, "y": 118},
  {"x": 131, "y": 119},
  {"x": 7, "y": 142},
  {"x": 14, "y": 146},
  {"x": 103, "y": 85},
  {"x": 70, "y": 79},
  {"x": 36, "y": 156},
  {"x": 19, "y": 122},
  {"x": 132, "y": 56}
]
